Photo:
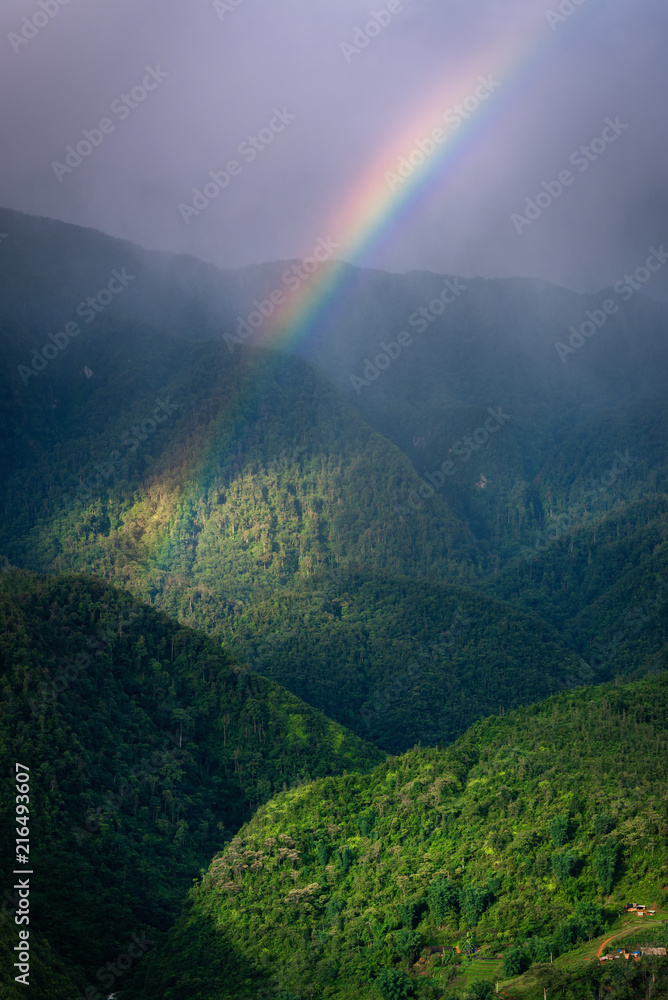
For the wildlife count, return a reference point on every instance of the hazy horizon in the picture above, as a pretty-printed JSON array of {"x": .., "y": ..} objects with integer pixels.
[
  {"x": 659, "y": 294},
  {"x": 318, "y": 112}
]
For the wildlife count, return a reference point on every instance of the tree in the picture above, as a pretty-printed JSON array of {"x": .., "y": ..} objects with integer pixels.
[
  {"x": 602, "y": 823},
  {"x": 559, "y": 829},
  {"x": 563, "y": 863},
  {"x": 344, "y": 859},
  {"x": 605, "y": 862},
  {"x": 540, "y": 949},
  {"x": 483, "y": 989},
  {"x": 365, "y": 822},
  {"x": 589, "y": 918},
  {"x": 442, "y": 897},
  {"x": 515, "y": 962},
  {"x": 394, "y": 984},
  {"x": 472, "y": 901},
  {"x": 410, "y": 944},
  {"x": 409, "y": 913}
]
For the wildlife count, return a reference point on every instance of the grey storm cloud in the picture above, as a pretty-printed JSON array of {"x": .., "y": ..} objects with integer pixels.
[{"x": 120, "y": 112}]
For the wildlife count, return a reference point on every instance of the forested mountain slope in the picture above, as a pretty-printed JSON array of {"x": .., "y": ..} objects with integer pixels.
[
  {"x": 403, "y": 661},
  {"x": 50, "y": 267},
  {"x": 467, "y": 527},
  {"x": 527, "y": 835},
  {"x": 207, "y": 481},
  {"x": 147, "y": 747},
  {"x": 495, "y": 342},
  {"x": 245, "y": 473},
  {"x": 491, "y": 346}
]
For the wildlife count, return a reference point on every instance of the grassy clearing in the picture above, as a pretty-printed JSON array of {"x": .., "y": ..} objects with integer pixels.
[
  {"x": 627, "y": 929},
  {"x": 482, "y": 969}
]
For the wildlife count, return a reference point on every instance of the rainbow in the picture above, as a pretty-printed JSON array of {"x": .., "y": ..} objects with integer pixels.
[
  {"x": 374, "y": 207},
  {"x": 372, "y": 210}
]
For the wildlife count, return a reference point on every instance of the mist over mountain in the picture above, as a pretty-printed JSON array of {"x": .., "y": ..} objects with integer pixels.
[
  {"x": 286, "y": 560},
  {"x": 333, "y": 500}
]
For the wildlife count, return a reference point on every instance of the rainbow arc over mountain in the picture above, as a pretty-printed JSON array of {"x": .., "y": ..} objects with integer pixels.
[
  {"x": 376, "y": 205},
  {"x": 381, "y": 199}
]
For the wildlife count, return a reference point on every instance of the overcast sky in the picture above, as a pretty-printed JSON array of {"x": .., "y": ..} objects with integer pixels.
[{"x": 220, "y": 69}]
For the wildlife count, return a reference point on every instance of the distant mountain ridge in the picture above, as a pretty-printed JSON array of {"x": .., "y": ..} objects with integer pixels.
[
  {"x": 478, "y": 524},
  {"x": 210, "y": 482}
]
